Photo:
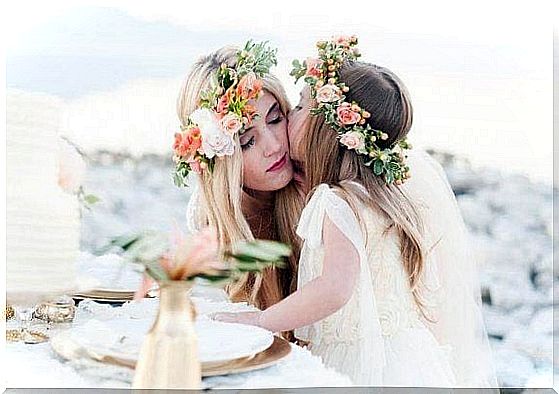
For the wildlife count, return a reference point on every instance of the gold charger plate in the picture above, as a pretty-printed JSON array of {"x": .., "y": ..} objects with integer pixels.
[
  {"x": 277, "y": 350},
  {"x": 105, "y": 295}
]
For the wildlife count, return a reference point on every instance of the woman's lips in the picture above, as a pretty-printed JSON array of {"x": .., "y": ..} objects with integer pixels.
[{"x": 278, "y": 164}]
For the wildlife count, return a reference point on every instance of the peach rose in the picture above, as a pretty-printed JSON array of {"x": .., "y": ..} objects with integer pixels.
[
  {"x": 353, "y": 140},
  {"x": 314, "y": 67},
  {"x": 249, "y": 86},
  {"x": 346, "y": 115},
  {"x": 328, "y": 94},
  {"x": 343, "y": 40},
  {"x": 231, "y": 124},
  {"x": 195, "y": 166}
]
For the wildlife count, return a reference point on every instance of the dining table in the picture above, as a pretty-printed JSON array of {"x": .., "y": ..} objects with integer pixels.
[{"x": 40, "y": 365}]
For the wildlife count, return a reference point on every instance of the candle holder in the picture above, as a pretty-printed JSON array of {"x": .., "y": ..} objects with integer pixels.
[{"x": 61, "y": 310}]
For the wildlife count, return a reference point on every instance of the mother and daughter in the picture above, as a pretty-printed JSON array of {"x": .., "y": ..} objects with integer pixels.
[{"x": 380, "y": 284}]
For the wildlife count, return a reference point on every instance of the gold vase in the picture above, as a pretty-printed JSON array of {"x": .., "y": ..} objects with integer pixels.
[{"x": 169, "y": 355}]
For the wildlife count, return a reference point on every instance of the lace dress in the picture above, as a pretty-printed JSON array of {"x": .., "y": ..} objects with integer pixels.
[{"x": 378, "y": 338}]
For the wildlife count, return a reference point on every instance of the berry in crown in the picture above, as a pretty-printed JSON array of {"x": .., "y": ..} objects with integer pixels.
[
  {"x": 348, "y": 119},
  {"x": 223, "y": 112}
]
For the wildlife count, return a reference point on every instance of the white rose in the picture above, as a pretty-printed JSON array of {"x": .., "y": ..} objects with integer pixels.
[
  {"x": 214, "y": 141},
  {"x": 204, "y": 118},
  {"x": 218, "y": 144},
  {"x": 328, "y": 94}
]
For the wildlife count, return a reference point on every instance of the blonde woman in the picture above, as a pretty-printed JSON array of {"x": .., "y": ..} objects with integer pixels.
[
  {"x": 239, "y": 195},
  {"x": 386, "y": 289}
]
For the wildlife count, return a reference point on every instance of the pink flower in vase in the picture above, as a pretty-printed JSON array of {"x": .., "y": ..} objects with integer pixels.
[{"x": 71, "y": 168}]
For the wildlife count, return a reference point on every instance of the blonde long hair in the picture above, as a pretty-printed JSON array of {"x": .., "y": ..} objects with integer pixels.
[
  {"x": 382, "y": 93},
  {"x": 222, "y": 190}
]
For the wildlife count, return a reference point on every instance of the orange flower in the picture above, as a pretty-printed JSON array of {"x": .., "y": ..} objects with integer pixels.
[
  {"x": 249, "y": 86},
  {"x": 188, "y": 143},
  {"x": 177, "y": 145},
  {"x": 249, "y": 111},
  {"x": 223, "y": 103}
]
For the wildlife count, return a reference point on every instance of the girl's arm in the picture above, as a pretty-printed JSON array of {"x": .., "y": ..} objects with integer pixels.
[{"x": 317, "y": 299}]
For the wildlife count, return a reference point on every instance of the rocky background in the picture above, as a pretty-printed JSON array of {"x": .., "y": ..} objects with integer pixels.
[{"x": 510, "y": 219}]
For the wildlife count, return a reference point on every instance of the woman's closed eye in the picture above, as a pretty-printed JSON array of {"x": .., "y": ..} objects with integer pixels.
[
  {"x": 276, "y": 119},
  {"x": 248, "y": 144}
]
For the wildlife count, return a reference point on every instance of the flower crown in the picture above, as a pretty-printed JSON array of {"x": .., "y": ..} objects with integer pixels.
[
  {"x": 223, "y": 111},
  {"x": 348, "y": 119}
]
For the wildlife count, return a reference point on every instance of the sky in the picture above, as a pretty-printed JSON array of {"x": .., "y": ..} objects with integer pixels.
[{"x": 479, "y": 73}]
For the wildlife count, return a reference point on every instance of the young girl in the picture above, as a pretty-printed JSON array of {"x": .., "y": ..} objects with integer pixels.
[
  {"x": 251, "y": 170},
  {"x": 386, "y": 290}
]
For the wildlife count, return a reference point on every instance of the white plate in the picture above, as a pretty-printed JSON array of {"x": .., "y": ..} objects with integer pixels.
[{"x": 217, "y": 341}]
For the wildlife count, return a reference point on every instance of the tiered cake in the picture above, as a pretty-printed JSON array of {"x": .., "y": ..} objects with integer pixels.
[{"x": 42, "y": 221}]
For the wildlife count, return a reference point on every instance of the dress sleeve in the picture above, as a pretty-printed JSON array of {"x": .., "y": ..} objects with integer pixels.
[{"x": 325, "y": 202}]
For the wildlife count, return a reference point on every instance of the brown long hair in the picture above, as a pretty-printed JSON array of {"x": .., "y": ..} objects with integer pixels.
[
  {"x": 222, "y": 191},
  {"x": 381, "y": 93}
]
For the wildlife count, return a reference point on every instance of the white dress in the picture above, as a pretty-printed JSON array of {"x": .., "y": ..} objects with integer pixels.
[{"x": 378, "y": 338}]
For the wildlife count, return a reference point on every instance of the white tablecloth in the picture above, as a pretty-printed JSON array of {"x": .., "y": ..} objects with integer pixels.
[{"x": 39, "y": 366}]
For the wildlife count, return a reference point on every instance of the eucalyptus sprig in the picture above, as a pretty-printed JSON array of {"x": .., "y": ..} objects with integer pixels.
[{"x": 256, "y": 57}]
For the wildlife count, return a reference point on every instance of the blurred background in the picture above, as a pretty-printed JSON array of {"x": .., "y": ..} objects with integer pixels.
[{"x": 481, "y": 80}]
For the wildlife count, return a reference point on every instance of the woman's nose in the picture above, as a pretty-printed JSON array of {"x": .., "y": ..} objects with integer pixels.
[{"x": 273, "y": 144}]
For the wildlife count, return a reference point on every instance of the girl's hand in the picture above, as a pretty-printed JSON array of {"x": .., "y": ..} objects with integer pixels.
[{"x": 249, "y": 318}]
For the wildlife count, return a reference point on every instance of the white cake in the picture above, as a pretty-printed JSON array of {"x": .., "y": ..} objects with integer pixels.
[{"x": 42, "y": 221}]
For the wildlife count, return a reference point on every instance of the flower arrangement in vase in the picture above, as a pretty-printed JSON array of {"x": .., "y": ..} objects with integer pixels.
[{"x": 169, "y": 355}]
